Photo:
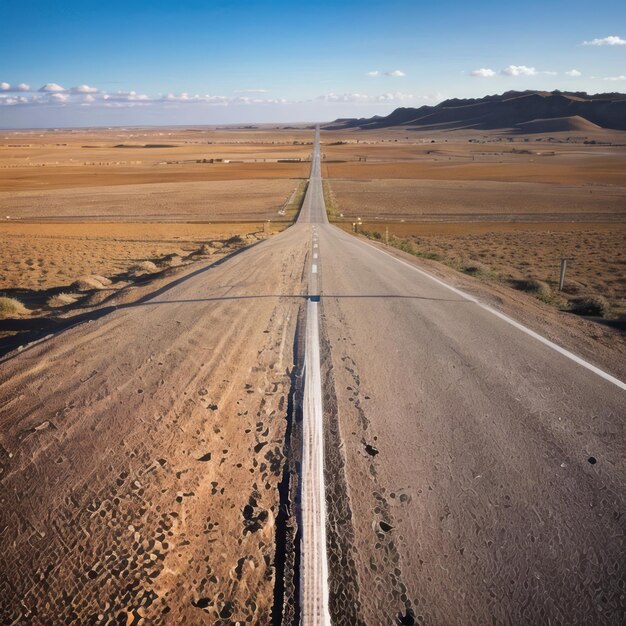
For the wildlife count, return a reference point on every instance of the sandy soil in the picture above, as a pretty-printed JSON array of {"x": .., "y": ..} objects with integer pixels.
[
  {"x": 147, "y": 489},
  {"x": 89, "y": 158},
  {"x": 45, "y": 256},
  {"x": 460, "y": 200},
  {"x": 193, "y": 201}
]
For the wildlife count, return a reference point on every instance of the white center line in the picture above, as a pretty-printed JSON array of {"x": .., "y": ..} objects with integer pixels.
[
  {"x": 314, "y": 268},
  {"x": 314, "y": 564},
  {"x": 315, "y": 255}
]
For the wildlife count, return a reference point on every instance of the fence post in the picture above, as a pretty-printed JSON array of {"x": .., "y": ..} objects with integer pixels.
[{"x": 564, "y": 261}]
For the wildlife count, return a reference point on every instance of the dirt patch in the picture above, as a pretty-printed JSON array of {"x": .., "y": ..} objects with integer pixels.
[
  {"x": 455, "y": 200},
  {"x": 47, "y": 256},
  {"x": 232, "y": 200}
]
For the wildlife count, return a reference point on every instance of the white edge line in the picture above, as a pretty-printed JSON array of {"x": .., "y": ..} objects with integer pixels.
[{"x": 512, "y": 322}]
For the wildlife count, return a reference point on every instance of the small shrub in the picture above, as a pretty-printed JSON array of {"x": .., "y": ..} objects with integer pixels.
[
  {"x": 87, "y": 283},
  {"x": 590, "y": 305},
  {"x": 477, "y": 269},
  {"x": 10, "y": 307},
  {"x": 433, "y": 256},
  {"x": 103, "y": 280},
  {"x": 236, "y": 239},
  {"x": 405, "y": 246},
  {"x": 536, "y": 287},
  {"x": 145, "y": 267},
  {"x": 171, "y": 260},
  {"x": 474, "y": 267},
  {"x": 62, "y": 299}
]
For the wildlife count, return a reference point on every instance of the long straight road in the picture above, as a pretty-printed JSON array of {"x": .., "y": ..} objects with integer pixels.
[{"x": 472, "y": 473}]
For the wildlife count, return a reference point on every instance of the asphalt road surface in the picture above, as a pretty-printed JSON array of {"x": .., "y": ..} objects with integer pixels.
[{"x": 473, "y": 474}]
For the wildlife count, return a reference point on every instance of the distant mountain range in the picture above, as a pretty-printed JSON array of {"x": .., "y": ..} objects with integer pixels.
[{"x": 517, "y": 111}]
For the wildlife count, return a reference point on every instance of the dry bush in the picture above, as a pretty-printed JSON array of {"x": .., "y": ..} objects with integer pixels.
[
  {"x": 536, "y": 287},
  {"x": 10, "y": 307},
  {"x": 102, "y": 279},
  {"x": 144, "y": 267},
  {"x": 87, "y": 283},
  {"x": 478, "y": 269},
  {"x": 62, "y": 299},
  {"x": 590, "y": 305},
  {"x": 171, "y": 260},
  {"x": 206, "y": 249},
  {"x": 235, "y": 240}
]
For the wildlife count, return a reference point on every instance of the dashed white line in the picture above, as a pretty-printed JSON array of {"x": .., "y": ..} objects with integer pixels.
[{"x": 314, "y": 268}]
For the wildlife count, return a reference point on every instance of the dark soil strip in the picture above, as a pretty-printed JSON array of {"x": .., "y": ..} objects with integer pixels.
[
  {"x": 344, "y": 603},
  {"x": 286, "y": 607}
]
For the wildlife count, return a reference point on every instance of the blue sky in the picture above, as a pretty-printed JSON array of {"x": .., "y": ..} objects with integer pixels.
[{"x": 75, "y": 63}]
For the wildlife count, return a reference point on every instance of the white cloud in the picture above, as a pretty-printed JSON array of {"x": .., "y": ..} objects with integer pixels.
[
  {"x": 83, "y": 89},
  {"x": 615, "y": 78},
  {"x": 121, "y": 98},
  {"x": 8, "y": 87},
  {"x": 12, "y": 100},
  {"x": 374, "y": 73},
  {"x": 611, "y": 40},
  {"x": 59, "y": 98},
  {"x": 483, "y": 72},
  {"x": 85, "y": 96},
  {"x": 395, "y": 73},
  {"x": 573, "y": 73},
  {"x": 51, "y": 88},
  {"x": 519, "y": 70},
  {"x": 360, "y": 98}
]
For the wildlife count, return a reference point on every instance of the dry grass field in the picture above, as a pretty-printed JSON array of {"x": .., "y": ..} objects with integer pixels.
[
  {"x": 45, "y": 256},
  {"x": 31, "y": 160},
  {"x": 451, "y": 200},
  {"x": 520, "y": 254},
  {"x": 503, "y": 208},
  {"x": 228, "y": 201}
]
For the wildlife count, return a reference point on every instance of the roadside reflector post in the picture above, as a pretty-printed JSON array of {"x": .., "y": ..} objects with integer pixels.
[
  {"x": 266, "y": 227},
  {"x": 386, "y": 235},
  {"x": 564, "y": 261}
]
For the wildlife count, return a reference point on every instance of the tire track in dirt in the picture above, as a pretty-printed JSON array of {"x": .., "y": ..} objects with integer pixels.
[{"x": 387, "y": 600}]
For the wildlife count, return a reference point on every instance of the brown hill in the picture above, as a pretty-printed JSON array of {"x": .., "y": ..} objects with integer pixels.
[
  {"x": 505, "y": 111},
  {"x": 558, "y": 124}
]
